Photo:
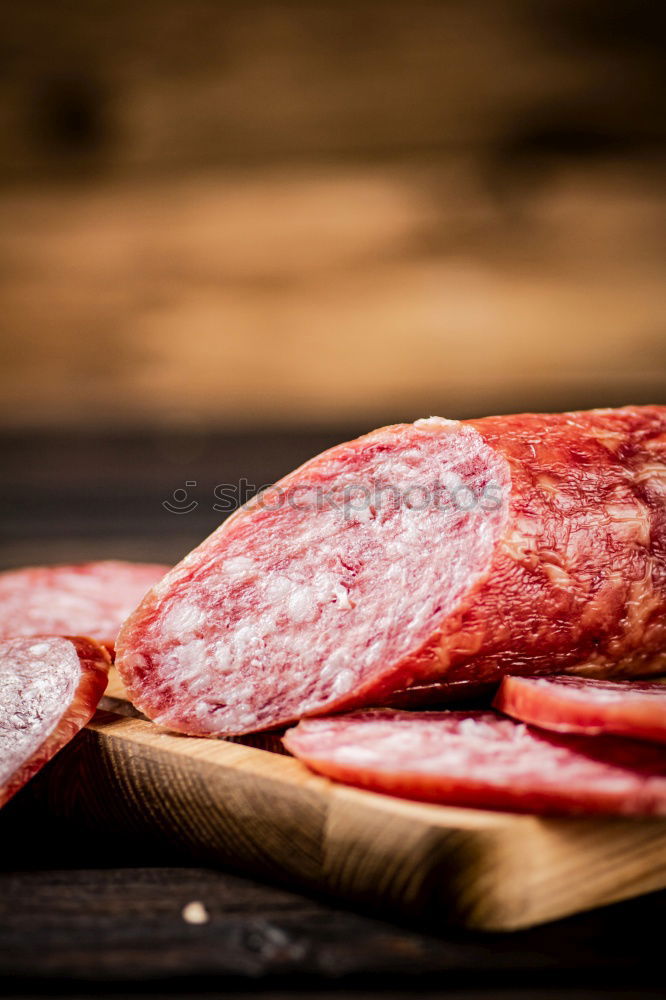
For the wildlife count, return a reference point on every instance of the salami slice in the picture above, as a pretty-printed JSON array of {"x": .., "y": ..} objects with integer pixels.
[
  {"x": 49, "y": 689},
  {"x": 587, "y": 705},
  {"x": 481, "y": 759},
  {"x": 86, "y": 599},
  {"x": 418, "y": 556}
]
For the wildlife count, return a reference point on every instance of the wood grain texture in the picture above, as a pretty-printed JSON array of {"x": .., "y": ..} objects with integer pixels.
[
  {"x": 123, "y": 926},
  {"x": 313, "y": 214},
  {"x": 266, "y": 813},
  {"x": 329, "y": 295},
  {"x": 135, "y": 86}
]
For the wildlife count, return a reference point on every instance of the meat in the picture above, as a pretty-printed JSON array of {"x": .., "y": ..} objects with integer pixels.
[
  {"x": 585, "y": 705},
  {"x": 481, "y": 759},
  {"x": 49, "y": 689},
  {"x": 87, "y": 599},
  {"x": 414, "y": 558}
]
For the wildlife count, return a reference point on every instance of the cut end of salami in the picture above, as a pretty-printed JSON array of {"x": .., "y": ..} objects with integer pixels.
[
  {"x": 306, "y": 599},
  {"x": 49, "y": 689},
  {"x": 85, "y": 599},
  {"x": 584, "y": 705},
  {"x": 481, "y": 759},
  {"x": 417, "y": 557}
]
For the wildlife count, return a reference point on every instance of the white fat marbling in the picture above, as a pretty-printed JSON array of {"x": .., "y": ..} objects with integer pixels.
[{"x": 38, "y": 681}]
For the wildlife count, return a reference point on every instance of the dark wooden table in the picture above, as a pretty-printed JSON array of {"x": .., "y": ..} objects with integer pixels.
[
  {"x": 83, "y": 916},
  {"x": 80, "y": 915}
]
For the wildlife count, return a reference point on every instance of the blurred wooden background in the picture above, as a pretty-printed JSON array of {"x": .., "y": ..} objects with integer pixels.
[{"x": 247, "y": 213}]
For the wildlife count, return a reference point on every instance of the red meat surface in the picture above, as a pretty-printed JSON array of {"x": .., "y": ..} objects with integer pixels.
[
  {"x": 49, "y": 690},
  {"x": 586, "y": 705},
  {"x": 414, "y": 558},
  {"x": 482, "y": 759},
  {"x": 86, "y": 599}
]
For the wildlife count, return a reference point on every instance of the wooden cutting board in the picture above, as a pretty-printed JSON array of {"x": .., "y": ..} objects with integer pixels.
[{"x": 259, "y": 811}]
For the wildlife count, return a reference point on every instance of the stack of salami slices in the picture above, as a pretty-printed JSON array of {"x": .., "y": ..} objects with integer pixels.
[
  {"x": 58, "y": 625},
  {"x": 484, "y": 759},
  {"x": 419, "y": 563},
  {"x": 520, "y": 558}
]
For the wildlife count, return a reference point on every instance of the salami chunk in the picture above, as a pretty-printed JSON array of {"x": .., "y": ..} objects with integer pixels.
[
  {"x": 49, "y": 689},
  {"x": 586, "y": 705},
  {"x": 86, "y": 599},
  {"x": 481, "y": 759},
  {"x": 417, "y": 557}
]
